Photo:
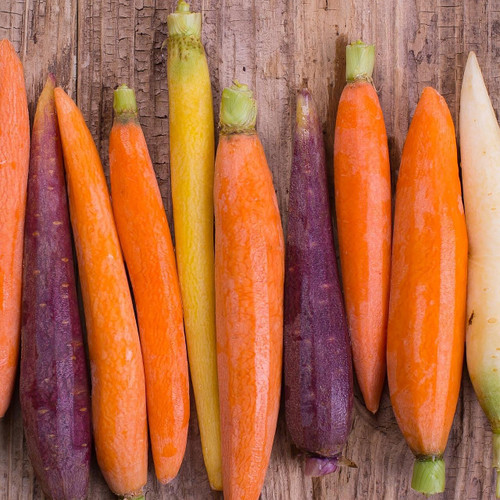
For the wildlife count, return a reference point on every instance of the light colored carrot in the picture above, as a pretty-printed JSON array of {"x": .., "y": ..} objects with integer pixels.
[
  {"x": 249, "y": 270},
  {"x": 117, "y": 373},
  {"x": 192, "y": 176},
  {"x": 362, "y": 179},
  {"x": 147, "y": 246},
  {"x": 14, "y": 162},
  {"x": 480, "y": 156},
  {"x": 425, "y": 342}
]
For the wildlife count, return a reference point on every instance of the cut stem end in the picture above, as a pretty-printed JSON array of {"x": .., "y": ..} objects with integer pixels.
[
  {"x": 360, "y": 59},
  {"x": 124, "y": 101},
  {"x": 183, "y": 22},
  {"x": 238, "y": 109},
  {"x": 428, "y": 476}
]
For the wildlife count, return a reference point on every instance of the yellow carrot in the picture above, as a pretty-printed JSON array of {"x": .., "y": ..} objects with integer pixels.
[{"x": 192, "y": 175}]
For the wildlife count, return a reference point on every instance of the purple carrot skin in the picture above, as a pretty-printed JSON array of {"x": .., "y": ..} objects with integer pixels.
[
  {"x": 54, "y": 387},
  {"x": 318, "y": 367}
]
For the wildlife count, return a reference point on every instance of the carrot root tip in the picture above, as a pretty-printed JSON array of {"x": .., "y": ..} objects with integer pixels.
[
  {"x": 428, "y": 475},
  {"x": 321, "y": 466}
]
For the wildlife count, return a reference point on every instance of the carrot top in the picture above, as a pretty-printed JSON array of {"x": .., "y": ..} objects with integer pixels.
[
  {"x": 183, "y": 22},
  {"x": 360, "y": 59},
  {"x": 238, "y": 110},
  {"x": 124, "y": 102}
]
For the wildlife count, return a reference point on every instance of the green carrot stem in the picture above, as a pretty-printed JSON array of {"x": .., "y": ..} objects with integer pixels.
[
  {"x": 238, "y": 110},
  {"x": 183, "y": 22},
  {"x": 428, "y": 475},
  {"x": 360, "y": 59}
]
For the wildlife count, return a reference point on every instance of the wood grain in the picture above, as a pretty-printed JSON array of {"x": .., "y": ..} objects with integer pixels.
[{"x": 273, "y": 45}]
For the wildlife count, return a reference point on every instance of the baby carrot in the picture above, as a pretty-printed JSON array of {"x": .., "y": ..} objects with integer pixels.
[{"x": 147, "y": 246}]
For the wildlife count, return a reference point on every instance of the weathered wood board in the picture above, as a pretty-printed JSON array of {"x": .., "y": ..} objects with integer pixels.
[{"x": 272, "y": 45}]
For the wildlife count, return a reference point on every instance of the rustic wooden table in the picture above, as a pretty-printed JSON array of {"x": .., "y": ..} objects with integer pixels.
[{"x": 272, "y": 45}]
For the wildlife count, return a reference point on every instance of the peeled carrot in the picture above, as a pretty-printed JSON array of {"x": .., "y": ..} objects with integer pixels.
[
  {"x": 117, "y": 373},
  {"x": 249, "y": 270},
  {"x": 147, "y": 246},
  {"x": 53, "y": 386},
  {"x": 14, "y": 160},
  {"x": 480, "y": 154},
  {"x": 192, "y": 174},
  {"x": 425, "y": 342},
  {"x": 363, "y": 206}
]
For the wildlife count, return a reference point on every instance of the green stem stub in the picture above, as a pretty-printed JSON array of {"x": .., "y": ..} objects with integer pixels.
[
  {"x": 183, "y": 22},
  {"x": 124, "y": 101},
  {"x": 360, "y": 59},
  {"x": 238, "y": 110},
  {"x": 428, "y": 475}
]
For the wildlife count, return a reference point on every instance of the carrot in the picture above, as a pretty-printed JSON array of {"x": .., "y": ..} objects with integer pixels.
[
  {"x": 147, "y": 246},
  {"x": 317, "y": 350},
  {"x": 480, "y": 153},
  {"x": 53, "y": 385},
  {"x": 14, "y": 161},
  {"x": 117, "y": 373},
  {"x": 192, "y": 176},
  {"x": 425, "y": 342},
  {"x": 363, "y": 206},
  {"x": 249, "y": 271}
]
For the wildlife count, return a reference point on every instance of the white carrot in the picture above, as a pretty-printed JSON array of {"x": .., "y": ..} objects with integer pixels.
[{"x": 480, "y": 151}]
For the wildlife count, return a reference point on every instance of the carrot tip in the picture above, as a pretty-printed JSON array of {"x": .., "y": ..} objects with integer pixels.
[
  {"x": 316, "y": 466},
  {"x": 321, "y": 466},
  {"x": 428, "y": 475}
]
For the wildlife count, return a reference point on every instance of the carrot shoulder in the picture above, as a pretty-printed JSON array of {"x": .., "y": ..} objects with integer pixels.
[
  {"x": 147, "y": 246},
  {"x": 425, "y": 343},
  {"x": 117, "y": 374},
  {"x": 249, "y": 269},
  {"x": 14, "y": 161},
  {"x": 363, "y": 207}
]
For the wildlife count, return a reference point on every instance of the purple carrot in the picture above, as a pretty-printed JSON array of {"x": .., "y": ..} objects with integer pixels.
[
  {"x": 318, "y": 369},
  {"x": 54, "y": 386}
]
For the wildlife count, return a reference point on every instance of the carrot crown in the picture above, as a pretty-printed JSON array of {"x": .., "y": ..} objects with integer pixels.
[
  {"x": 238, "y": 110},
  {"x": 360, "y": 59},
  {"x": 428, "y": 475},
  {"x": 183, "y": 22},
  {"x": 124, "y": 103}
]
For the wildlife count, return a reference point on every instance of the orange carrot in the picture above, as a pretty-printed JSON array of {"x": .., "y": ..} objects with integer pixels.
[
  {"x": 14, "y": 161},
  {"x": 249, "y": 271},
  {"x": 117, "y": 373},
  {"x": 147, "y": 246},
  {"x": 363, "y": 206},
  {"x": 425, "y": 342}
]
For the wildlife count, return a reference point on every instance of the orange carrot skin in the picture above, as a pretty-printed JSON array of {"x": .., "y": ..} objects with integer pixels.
[
  {"x": 14, "y": 161},
  {"x": 363, "y": 206},
  {"x": 425, "y": 343},
  {"x": 249, "y": 272},
  {"x": 117, "y": 373},
  {"x": 147, "y": 246}
]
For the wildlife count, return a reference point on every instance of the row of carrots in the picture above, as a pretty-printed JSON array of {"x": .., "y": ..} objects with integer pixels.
[{"x": 225, "y": 306}]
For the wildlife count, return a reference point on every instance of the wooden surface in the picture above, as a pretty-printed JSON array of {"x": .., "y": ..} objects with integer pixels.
[{"x": 272, "y": 45}]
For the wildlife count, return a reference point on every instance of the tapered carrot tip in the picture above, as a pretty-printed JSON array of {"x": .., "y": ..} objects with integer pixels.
[
  {"x": 428, "y": 476},
  {"x": 316, "y": 467},
  {"x": 321, "y": 466}
]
